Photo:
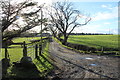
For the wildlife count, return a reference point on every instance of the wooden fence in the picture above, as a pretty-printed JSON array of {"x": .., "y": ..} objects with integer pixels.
[{"x": 33, "y": 49}]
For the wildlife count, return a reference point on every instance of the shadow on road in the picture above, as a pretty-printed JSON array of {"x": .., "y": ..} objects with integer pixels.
[
  {"x": 89, "y": 70},
  {"x": 49, "y": 61}
]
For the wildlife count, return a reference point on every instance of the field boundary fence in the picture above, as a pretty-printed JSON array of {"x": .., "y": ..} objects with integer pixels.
[{"x": 33, "y": 49}]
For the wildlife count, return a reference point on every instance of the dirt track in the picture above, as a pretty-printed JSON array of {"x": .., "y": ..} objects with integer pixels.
[{"x": 76, "y": 65}]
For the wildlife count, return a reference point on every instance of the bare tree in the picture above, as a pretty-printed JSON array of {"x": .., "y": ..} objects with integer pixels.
[
  {"x": 53, "y": 29},
  {"x": 66, "y": 18},
  {"x": 11, "y": 14}
]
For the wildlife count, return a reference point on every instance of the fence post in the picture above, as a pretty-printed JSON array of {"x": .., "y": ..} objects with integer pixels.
[
  {"x": 102, "y": 50},
  {"x": 40, "y": 49},
  {"x": 43, "y": 45},
  {"x": 24, "y": 49},
  {"x": 36, "y": 51},
  {"x": 6, "y": 53}
]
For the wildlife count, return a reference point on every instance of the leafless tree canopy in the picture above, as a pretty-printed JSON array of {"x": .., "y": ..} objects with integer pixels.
[
  {"x": 11, "y": 14},
  {"x": 65, "y": 18}
]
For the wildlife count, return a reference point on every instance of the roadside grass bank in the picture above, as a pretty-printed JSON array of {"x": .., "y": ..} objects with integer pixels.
[
  {"x": 77, "y": 39},
  {"x": 42, "y": 62},
  {"x": 67, "y": 46}
]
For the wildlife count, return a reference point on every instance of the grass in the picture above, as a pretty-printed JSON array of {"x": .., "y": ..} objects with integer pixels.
[
  {"x": 108, "y": 42},
  {"x": 26, "y": 39},
  {"x": 67, "y": 46},
  {"x": 97, "y": 41},
  {"x": 16, "y": 53},
  {"x": 42, "y": 62}
]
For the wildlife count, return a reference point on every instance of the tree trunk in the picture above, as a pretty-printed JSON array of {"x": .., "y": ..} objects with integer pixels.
[{"x": 65, "y": 39}]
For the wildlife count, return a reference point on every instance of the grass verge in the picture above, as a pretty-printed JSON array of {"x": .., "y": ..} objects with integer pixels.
[
  {"x": 67, "y": 46},
  {"x": 42, "y": 62},
  {"x": 115, "y": 53}
]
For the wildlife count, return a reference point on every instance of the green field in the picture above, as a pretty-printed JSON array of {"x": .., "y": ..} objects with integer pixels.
[
  {"x": 16, "y": 53},
  {"x": 26, "y": 39},
  {"x": 97, "y": 41}
]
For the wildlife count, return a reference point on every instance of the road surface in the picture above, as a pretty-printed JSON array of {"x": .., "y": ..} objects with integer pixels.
[{"x": 77, "y": 65}]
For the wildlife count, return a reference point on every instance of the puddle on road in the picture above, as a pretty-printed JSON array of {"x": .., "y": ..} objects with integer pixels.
[
  {"x": 86, "y": 58},
  {"x": 93, "y": 64},
  {"x": 89, "y": 58},
  {"x": 98, "y": 57}
]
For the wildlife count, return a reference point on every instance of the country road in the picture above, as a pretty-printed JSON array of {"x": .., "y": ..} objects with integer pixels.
[{"x": 77, "y": 65}]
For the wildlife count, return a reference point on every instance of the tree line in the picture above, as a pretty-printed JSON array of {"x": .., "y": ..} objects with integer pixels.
[{"x": 90, "y": 34}]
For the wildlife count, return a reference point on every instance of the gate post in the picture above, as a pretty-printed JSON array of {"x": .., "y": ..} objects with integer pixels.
[
  {"x": 24, "y": 49},
  {"x": 6, "y": 53},
  {"x": 36, "y": 51},
  {"x": 40, "y": 49},
  {"x": 102, "y": 49}
]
